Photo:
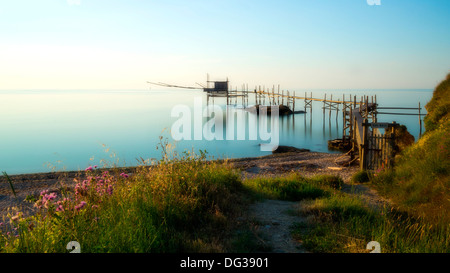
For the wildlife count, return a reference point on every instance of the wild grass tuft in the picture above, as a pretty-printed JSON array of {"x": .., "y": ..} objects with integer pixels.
[
  {"x": 293, "y": 187},
  {"x": 10, "y": 183}
]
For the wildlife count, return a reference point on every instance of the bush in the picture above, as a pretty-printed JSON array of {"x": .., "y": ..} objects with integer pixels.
[
  {"x": 361, "y": 177},
  {"x": 332, "y": 181}
]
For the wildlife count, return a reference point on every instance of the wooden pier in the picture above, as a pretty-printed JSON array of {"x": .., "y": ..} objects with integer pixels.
[{"x": 361, "y": 131}]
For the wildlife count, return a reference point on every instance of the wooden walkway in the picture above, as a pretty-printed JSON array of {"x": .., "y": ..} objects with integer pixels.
[{"x": 373, "y": 148}]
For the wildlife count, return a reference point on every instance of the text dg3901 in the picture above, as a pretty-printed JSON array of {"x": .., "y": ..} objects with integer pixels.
[{"x": 225, "y": 263}]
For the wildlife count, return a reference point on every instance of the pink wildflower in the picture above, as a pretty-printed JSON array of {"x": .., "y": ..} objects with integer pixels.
[
  {"x": 49, "y": 197},
  {"x": 38, "y": 204},
  {"x": 124, "y": 175},
  {"x": 95, "y": 166},
  {"x": 81, "y": 205},
  {"x": 110, "y": 189},
  {"x": 88, "y": 168},
  {"x": 16, "y": 217}
]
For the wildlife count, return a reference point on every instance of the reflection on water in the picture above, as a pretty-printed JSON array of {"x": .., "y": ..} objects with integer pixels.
[{"x": 73, "y": 129}]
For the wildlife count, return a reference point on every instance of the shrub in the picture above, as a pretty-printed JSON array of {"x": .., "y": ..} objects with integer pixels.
[
  {"x": 332, "y": 181},
  {"x": 361, "y": 177}
]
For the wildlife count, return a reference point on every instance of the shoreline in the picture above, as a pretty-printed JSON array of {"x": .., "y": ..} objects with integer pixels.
[
  {"x": 281, "y": 151},
  {"x": 289, "y": 160}
]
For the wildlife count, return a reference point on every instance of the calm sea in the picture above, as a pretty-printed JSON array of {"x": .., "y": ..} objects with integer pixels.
[{"x": 42, "y": 131}]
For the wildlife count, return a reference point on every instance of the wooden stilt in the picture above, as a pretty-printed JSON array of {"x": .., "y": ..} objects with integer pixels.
[{"x": 420, "y": 122}]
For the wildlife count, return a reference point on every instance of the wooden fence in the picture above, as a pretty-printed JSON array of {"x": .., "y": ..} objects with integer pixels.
[
  {"x": 376, "y": 150},
  {"x": 379, "y": 148}
]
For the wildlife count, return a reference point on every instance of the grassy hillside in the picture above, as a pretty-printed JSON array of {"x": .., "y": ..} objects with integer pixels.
[
  {"x": 420, "y": 183},
  {"x": 439, "y": 107},
  {"x": 418, "y": 218}
]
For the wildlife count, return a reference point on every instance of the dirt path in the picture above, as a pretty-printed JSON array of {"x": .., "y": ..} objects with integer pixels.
[
  {"x": 274, "y": 220},
  {"x": 368, "y": 194}
]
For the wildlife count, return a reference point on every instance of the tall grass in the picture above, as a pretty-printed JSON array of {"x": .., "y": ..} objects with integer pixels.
[
  {"x": 420, "y": 182},
  {"x": 172, "y": 206},
  {"x": 438, "y": 107},
  {"x": 418, "y": 186},
  {"x": 10, "y": 183},
  {"x": 343, "y": 223}
]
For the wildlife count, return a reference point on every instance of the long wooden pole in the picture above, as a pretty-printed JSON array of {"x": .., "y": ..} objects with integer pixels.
[
  {"x": 364, "y": 145},
  {"x": 420, "y": 123},
  {"x": 293, "y": 103}
]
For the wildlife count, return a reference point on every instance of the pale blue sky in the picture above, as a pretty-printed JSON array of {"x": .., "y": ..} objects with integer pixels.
[{"x": 118, "y": 44}]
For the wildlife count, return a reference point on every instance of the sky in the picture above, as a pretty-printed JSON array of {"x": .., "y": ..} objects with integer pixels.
[{"x": 304, "y": 44}]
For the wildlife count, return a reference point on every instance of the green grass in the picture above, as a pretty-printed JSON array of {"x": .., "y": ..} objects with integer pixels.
[
  {"x": 343, "y": 223},
  {"x": 293, "y": 187},
  {"x": 420, "y": 182},
  {"x": 247, "y": 239},
  {"x": 175, "y": 206}
]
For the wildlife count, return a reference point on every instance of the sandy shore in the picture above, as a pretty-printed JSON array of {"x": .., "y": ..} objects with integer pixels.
[{"x": 303, "y": 161}]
